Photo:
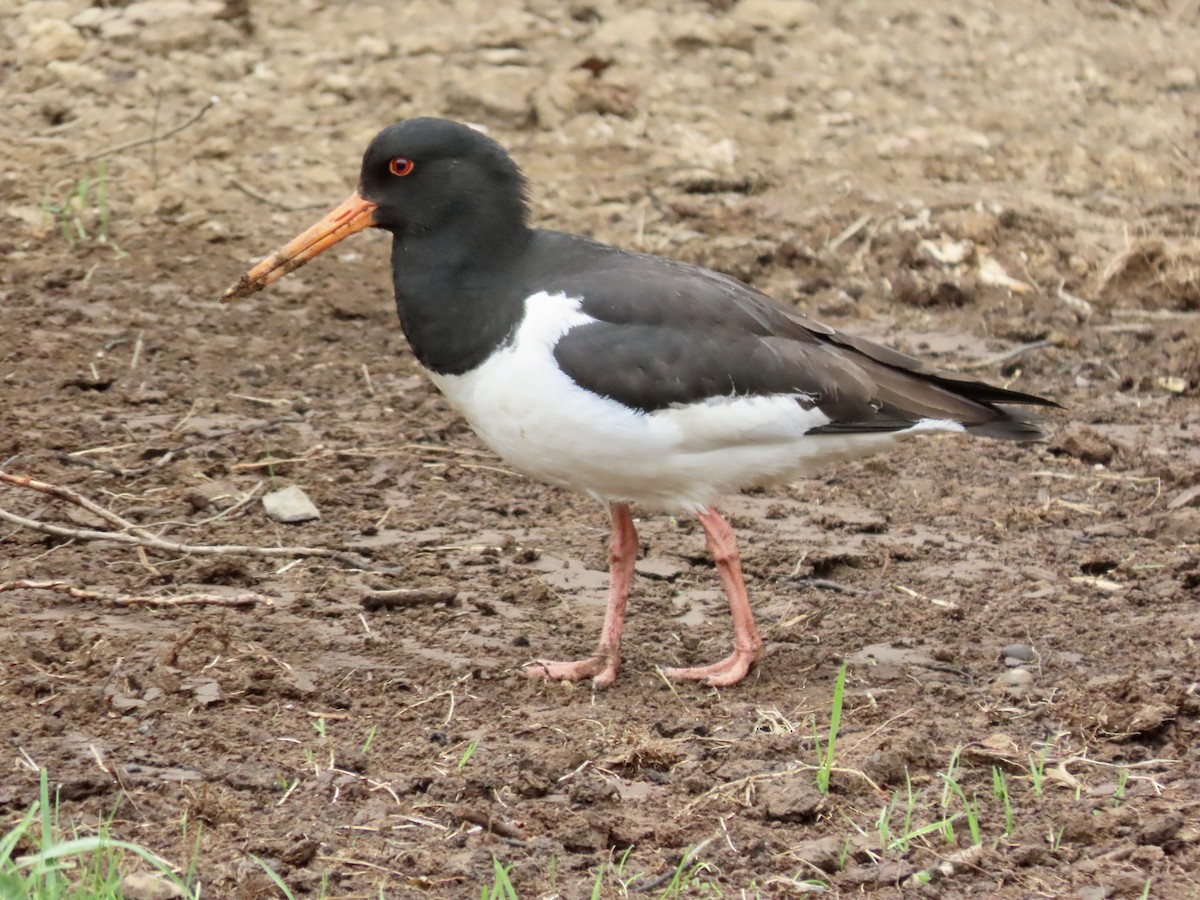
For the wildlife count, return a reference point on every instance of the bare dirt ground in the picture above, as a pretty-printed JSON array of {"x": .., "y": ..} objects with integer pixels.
[{"x": 1012, "y": 188}]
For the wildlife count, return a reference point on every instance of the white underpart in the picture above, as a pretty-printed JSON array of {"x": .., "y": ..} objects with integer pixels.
[{"x": 679, "y": 459}]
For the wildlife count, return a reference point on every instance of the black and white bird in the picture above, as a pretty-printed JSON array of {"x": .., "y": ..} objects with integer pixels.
[{"x": 627, "y": 377}]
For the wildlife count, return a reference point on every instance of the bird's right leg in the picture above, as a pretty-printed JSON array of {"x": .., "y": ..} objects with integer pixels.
[{"x": 602, "y": 667}]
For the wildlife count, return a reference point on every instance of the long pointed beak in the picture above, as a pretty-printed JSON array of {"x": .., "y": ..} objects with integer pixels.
[{"x": 351, "y": 216}]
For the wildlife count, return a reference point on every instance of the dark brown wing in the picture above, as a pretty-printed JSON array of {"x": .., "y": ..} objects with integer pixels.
[{"x": 667, "y": 333}]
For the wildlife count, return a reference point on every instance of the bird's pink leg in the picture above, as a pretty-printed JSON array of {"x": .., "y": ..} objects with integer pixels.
[
  {"x": 747, "y": 645},
  {"x": 603, "y": 665}
]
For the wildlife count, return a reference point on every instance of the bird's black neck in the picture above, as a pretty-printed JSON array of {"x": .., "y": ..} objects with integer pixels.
[{"x": 456, "y": 306}]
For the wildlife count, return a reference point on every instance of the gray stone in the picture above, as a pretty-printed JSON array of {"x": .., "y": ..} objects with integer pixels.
[
  {"x": 52, "y": 39},
  {"x": 1020, "y": 652},
  {"x": 1181, "y": 78},
  {"x": 822, "y": 853},
  {"x": 774, "y": 14},
  {"x": 659, "y": 569},
  {"x": 148, "y": 886},
  {"x": 639, "y": 29},
  {"x": 1019, "y": 678},
  {"x": 499, "y": 94},
  {"x": 290, "y": 506},
  {"x": 792, "y": 801}
]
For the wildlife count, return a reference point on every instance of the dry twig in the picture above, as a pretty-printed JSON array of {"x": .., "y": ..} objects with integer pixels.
[
  {"x": 152, "y": 139},
  {"x": 130, "y": 533},
  {"x": 262, "y": 198},
  {"x": 406, "y": 597},
  {"x": 62, "y": 587},
  {"x": 73, "y": 460},
  {"x": 1006, "y": 356}
]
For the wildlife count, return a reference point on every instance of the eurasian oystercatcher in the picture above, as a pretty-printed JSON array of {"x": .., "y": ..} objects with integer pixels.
[{"x": 628, "y": 377}]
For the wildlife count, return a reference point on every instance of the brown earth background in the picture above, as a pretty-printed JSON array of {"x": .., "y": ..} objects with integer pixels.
[{"x": 1009, "y": 188}]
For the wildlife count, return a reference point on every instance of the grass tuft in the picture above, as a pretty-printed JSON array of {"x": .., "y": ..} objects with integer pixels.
[
  {"x": 80, "y": 868},
  {"x": 501, "y": 888},
  {"x": 82, "y": 212}
]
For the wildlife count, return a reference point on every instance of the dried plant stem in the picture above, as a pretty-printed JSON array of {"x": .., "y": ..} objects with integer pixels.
[
  {"x": 62, "y": 587},
  {"x": 134, "y": 535}
]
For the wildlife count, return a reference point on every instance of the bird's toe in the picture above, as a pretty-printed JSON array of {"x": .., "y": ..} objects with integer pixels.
[
  {"x": 601, "y": 669},
  {"x": 728, "y": 671}
]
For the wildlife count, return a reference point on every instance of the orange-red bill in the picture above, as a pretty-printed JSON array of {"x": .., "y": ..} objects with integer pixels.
[{"x": 352, "y": 216}]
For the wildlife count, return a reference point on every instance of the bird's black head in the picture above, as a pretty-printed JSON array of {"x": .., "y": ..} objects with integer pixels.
[
  {"x": 451, "y": 197},
  {"x": 428, "y": 174}
]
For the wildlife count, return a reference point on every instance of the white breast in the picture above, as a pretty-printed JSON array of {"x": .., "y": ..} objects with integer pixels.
[{"x": 679, "y": 459}]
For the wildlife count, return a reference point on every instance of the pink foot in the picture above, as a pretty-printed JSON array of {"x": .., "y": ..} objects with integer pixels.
[
  {"x": 603, "y": 665},
  {"x": 747, "y": 645},
  {"x": 601, "y": 668},
  {"x": 730, "y": 670}
]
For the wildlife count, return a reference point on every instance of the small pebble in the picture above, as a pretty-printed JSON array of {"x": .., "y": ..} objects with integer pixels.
[
  {"x": 1182, "y": 78},
  {"x": 1017, "y": 678},
  {"x": 145, "y": 886},
  {"x": 291, "y": 505},
  {"x": 1022, "y": 653}
]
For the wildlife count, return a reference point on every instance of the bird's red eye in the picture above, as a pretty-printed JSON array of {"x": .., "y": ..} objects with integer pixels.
[{"x": 400, "y": 166}]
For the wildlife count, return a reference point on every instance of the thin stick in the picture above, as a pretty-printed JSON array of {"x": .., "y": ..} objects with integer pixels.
[
  {"x": 62, "y": 587},
  {"x": 132, "y": 534},
  {"x": 487, "y": 822},
  {"x": 64, "y": 493},
  {"x": 848, "y": 232},
  {"x": 72, "y": 460},
  {"x": 1006, "y": 356},
  {"x": 406, "y": 597},
  {"x": 262, "y": 198},
  {"x": 152, "y": 139}
]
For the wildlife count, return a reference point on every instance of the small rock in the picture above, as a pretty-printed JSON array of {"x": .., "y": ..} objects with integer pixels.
[
  {"x": 206, "y": 692},
  {"x": 1020, "y": 652},
  {"x": 147, "y": 886},
  {"x": 557, "y": 99},
  {"x": 500, "y": 94},
  {"x": 1150, "y": 718},
  {"x": 973, "y": 225},
  {"x": 795, "y": 801},
  {"x": 689, "y": 32},
  {"x": 51, "y": 39},
  {"x": 639, "y": 29},
  {"x": 123, "y": 704},
  {"x": 822, "y": 853},
  {"x": 1181, "y": 78},
  {"x": 162, "y": 202},
  {"x": 775, "y": 14},
  {"x": 1018, "y": 678},
  {"x": 301, "y": 853},
  {"x": 75, "y": 75},
  {"x": 1160, "y": 829},
  {"x": 659, "y": 569},
  {"x": 1188, "y": 497},
  {"x": 1085, "y": 445},
  {"x": 290, "y": 506},
  {"x": 373, "y": 47}
]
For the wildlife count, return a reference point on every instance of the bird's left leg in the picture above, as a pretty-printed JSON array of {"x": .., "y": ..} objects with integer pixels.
[{"x": 747, "y": 645}]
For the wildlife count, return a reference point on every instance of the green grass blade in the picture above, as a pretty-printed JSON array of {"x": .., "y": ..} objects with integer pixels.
[
  {"x": 825, "y": 760},
  {"x": 278, "y": 882}
]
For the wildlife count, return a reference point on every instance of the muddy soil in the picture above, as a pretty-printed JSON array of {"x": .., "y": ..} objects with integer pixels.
[{"x": 1011, "y": 189}]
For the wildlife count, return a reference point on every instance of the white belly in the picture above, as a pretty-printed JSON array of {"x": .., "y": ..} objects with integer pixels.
[{"x": 679, "y": 459}]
